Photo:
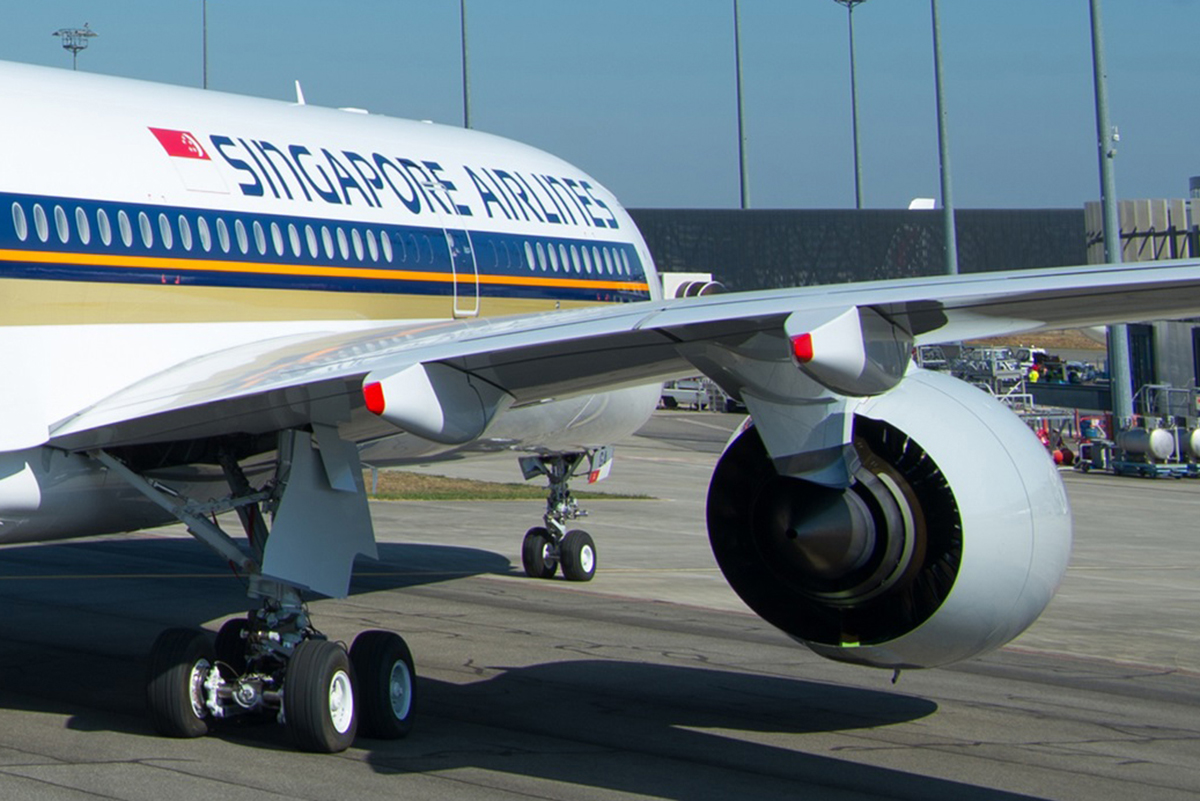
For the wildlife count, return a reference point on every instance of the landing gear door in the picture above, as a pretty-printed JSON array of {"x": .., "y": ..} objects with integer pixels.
[{"x": 466, "y": 272}]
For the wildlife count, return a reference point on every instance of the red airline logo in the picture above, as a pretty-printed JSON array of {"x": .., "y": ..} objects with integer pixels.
[{"x": 180, "y": 144}]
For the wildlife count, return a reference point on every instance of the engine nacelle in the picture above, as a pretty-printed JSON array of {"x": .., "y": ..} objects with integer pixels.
[{"x": 951, "y": 541}]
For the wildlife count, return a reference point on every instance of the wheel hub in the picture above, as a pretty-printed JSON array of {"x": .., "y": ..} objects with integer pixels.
[
  {"x": 196, "y": 681},
  {"x": 341, "y": 702},
  {"x": 399, "y": 690}
]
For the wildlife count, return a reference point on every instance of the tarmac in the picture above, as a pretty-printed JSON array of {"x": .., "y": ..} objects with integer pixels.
[{"x": 652, "y": 681}]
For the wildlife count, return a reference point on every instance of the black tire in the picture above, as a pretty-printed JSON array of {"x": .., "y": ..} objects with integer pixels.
[
  {"x": 578, "y": 556},
  {"x": 318, "y": 697},
  {"x": 669, "y": 402},
  {"x": 230, "y": 646},
  {"x": 180, "y": 661},
  {"x": 536, "y": 550},
  {"x": 387, "y": 682}
]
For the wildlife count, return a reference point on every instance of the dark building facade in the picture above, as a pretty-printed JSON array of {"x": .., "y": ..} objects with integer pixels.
[{"x": 764, "y": 249}]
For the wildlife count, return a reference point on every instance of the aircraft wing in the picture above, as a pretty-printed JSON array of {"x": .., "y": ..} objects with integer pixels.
[{"x": 470, "y": 368}]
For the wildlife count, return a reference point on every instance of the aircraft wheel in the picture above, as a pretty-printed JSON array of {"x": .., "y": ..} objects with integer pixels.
[
  {"x": 180, "y": 663},
  {"x": 318, "y": 697},
  {"x": 230, "y": 646},
  {"x": 578, "y": 556},
  {"x": 537, "y": 553},
  {"x": 387, "y": 681}
]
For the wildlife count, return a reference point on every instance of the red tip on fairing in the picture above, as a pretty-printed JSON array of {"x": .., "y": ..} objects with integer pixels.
[
  {"x": 373, "y": 394},
  {"x": 802, "y": 348}
]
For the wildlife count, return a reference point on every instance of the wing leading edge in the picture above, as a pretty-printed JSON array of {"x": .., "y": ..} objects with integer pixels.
[{"x": 295, "y": 381}]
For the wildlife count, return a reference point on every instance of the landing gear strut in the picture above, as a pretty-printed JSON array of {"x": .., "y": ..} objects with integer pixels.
[
  {"x": 274, "y": 661},
  {"x": 547, "y": 547}
]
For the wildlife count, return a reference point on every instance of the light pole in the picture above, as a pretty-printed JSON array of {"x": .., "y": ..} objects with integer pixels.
[
  {"x": 462, "y": 13},
  {"x": 944, "y": 148},
  {"x": 75, "y": 39},
  {"x": 1120, "y": 379},
  {"x": 204, "y": 39},
  {"x": 741, "y": 125},
  {"x": 850, "y": 4}
]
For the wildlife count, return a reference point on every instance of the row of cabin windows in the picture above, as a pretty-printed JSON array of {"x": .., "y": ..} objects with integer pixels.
[
  {"x": 543, "y": 256},
  {"x": 578, "y": 258},
  {"x": 364, "y": 243}
]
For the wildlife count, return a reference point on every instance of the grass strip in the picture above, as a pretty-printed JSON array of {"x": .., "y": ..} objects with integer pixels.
[{"x": 401, "y": 485}]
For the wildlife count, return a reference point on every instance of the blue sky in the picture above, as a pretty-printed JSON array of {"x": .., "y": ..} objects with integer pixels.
[{"x": 641, "y": 93}]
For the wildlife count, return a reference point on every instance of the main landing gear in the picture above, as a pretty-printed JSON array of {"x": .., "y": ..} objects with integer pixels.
[
  {"x": 274, "y": 662},
  {"x": 546, "y": 548}
]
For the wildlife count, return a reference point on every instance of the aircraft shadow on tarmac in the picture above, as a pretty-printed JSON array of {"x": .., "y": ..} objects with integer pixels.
[
  {"x": 662, "y": 731},
  {"x": 79, "y": 618}
]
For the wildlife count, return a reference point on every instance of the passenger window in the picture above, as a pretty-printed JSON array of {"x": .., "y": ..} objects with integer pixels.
[
  {"x": 239, "y": 229},
  {"x": 146, "y": 229},
  {"x": 40, "y": 223},
  {"x": 164, "y": 230},
  {"x": 20, "y": 224},
  {"x": 205, "y": 234},
  {"x": 81, "y": 225},
  {"x": 104, "y": 227},
  {"x": 260, "y": 238},
  {"x": 294, "y": 239},
  {"x": 60, "y": 223},
  {"x": 185, "y": 233},
  {"x": 126, "y": 228}
]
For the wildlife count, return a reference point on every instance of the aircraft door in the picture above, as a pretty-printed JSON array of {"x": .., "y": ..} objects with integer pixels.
[{"x": 466, "y": 271}]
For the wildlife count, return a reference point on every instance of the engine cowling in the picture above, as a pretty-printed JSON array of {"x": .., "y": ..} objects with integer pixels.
[{"x": 950, "y": 542}]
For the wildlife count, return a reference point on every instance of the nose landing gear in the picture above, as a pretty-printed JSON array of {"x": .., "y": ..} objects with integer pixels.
[{"x": 547, "y": 547}]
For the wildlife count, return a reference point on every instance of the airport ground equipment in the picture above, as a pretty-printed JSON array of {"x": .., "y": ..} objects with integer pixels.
[
  {"x": 695, "y": 393},
  {"x": 1169, "y": 402},
  {"x": 1153, "y": 453},
  {"x": 995, "y": 369}
]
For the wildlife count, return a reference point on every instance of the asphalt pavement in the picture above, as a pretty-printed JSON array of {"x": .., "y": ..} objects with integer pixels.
[{"x": 652, "y": 681}]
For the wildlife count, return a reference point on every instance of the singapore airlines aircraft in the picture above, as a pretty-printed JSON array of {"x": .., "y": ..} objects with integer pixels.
[{"x": 206, "y": 296}]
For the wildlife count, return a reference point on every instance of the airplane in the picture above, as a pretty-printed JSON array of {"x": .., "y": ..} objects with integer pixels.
[{"x": 215, "y": 304}]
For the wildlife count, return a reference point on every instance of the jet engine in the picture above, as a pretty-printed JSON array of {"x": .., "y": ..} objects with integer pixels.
[{"x": 950, "y": 541}]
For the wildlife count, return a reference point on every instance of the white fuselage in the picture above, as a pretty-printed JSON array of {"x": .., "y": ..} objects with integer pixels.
[{"x": 165, "y": 224}]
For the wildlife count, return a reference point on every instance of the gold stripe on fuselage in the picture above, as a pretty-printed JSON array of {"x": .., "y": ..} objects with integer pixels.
[{"x": 38, "y": 302}]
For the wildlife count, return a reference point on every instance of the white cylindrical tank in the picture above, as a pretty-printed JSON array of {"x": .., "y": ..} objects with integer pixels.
[
  {"x": 1193, "y": 443},
  {"x": 1157, "y": 444}
]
